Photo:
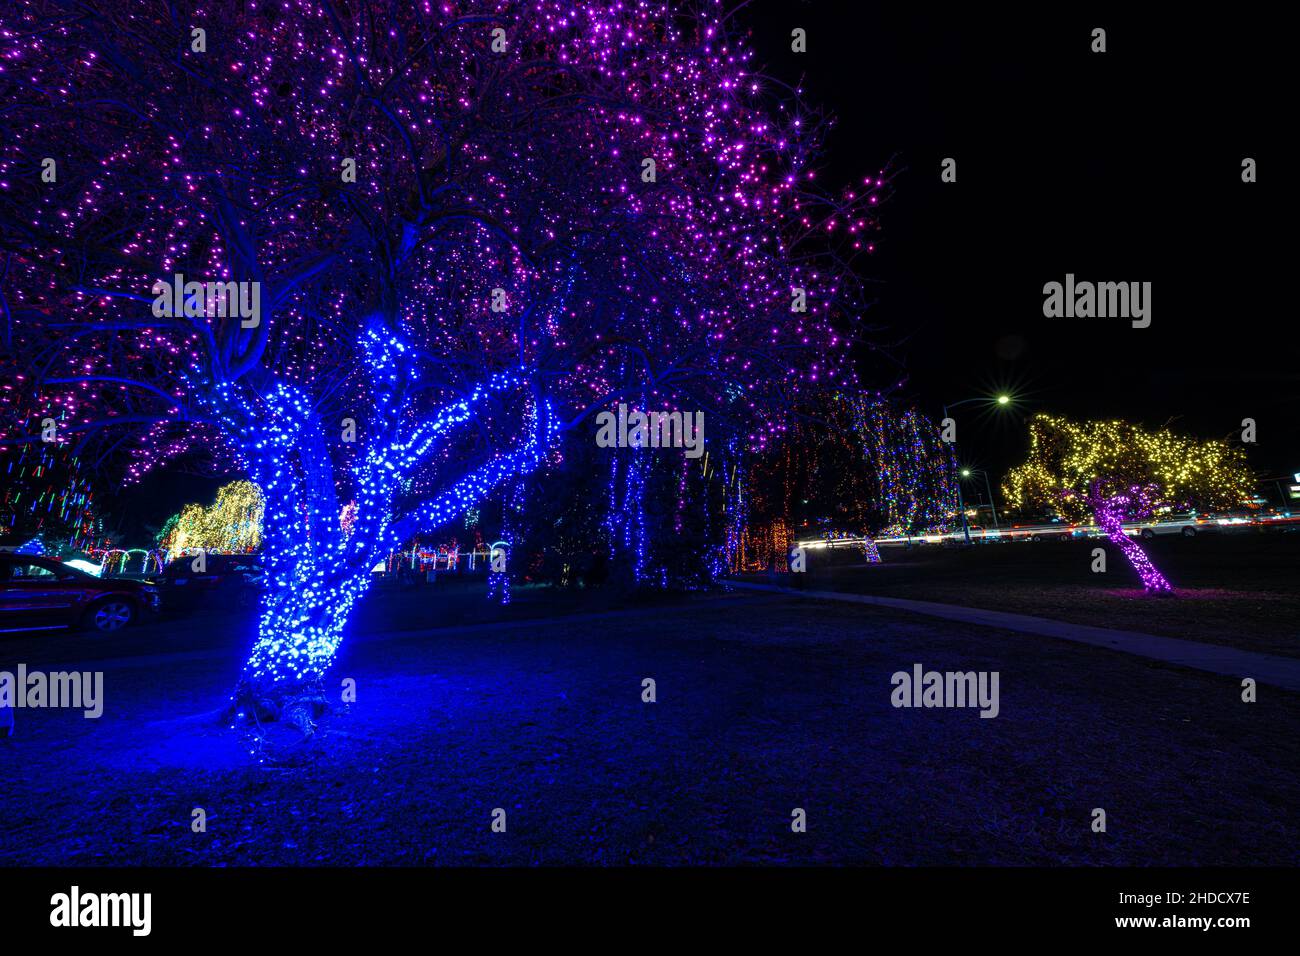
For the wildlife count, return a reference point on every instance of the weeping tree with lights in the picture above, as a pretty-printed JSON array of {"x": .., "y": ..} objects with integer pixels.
[
  {"x": 46, "y": 496},
  {"x": 435, "y": 240},
  {"x": 232, "y": 523},
  {"x": 812, "y": 476},
  {"x": 911, "y": 468},
  {"x": 853, "y": 462},
  {"x": 47, "y": 491},
  {"x": 1112, "y": 472}
]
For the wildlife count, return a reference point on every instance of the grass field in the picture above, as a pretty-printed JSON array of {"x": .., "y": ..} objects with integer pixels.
[
  {"x": 765, "y": 704},
  {"x": 1239, "y": 590}
]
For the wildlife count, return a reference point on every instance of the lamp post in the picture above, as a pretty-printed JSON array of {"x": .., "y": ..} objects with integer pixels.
[
  {"x": 961, "y": 503},
  {"x": 988, "y": 489}
]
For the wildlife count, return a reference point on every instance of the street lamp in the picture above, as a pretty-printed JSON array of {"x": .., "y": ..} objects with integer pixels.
[
  {"x": 1000, "y": 400},
  {"x": 966, "y": 473}
]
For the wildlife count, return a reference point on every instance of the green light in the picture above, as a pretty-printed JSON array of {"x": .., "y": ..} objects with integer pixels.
[{"x": 1003, "y": 399}]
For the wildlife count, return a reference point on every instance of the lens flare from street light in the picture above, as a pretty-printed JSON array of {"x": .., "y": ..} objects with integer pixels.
[{"x": 1004, "y": 399}]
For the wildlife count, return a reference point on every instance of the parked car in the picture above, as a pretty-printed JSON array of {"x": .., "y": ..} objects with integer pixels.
[
  {"x": 1275, "y": 519},
  {"x": 1229, "y": 522},
  {"x": 1184, "y": 523},
  {"x": 40, "y": 593},
  {"x": 226, "y": 580},
  {"x": 1055, "y": 531}
]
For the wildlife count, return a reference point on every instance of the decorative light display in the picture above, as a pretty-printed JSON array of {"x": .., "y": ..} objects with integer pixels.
[
  {"x": 118, "y": 561},
  {"x": 761, "y": 545},
  {"x": 912, "y": 469},
  {"x": 1113, "y": 472},
  {"x": 762, "y": 495},
  {"x": 498, "y": 581},
  {"x": 1067, "y": 458},
  {"x": 836, "y": 538},
  {"x": 43, "y": 490},
  {"x": 317, "y": 571},
  {"x": 1111, "y": 511},
  {"x": 735, "y": 508},
  {"x": 498, "y": 259},
  {"x": 348, "y": 517},
  {"x": 626, "y": 522},
  {"x": 854, "y": 461},
  {"x": 232, "y": 524}
]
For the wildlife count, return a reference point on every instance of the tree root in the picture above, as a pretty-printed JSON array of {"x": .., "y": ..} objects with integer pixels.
[{"x": 298, "y": 705}]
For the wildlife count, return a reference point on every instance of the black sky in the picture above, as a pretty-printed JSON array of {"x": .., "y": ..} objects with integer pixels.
[{"x": 1122, "y": 166}]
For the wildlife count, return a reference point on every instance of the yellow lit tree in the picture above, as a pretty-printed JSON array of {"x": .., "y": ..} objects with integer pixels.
[
  {"x": 1114, "y": 471},
  {"x": 231, "y": 524}
]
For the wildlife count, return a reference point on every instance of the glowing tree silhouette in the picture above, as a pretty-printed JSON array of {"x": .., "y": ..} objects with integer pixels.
[
  {"x": 911, "y": 467},
  {"x": 1115, "y": 472},
  {"x": 46, "y": 495},
  {"x": 232, "y": 523},
  {"x": 438, "y": 236}
]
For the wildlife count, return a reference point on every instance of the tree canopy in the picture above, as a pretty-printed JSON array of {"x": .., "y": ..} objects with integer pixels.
[{"x": 1073, "y": 464}]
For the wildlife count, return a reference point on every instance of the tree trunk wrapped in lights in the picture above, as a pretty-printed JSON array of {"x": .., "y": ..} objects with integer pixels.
[
  {"x": 1111, "y": 510},
  {"x": 316, "y": 570}
]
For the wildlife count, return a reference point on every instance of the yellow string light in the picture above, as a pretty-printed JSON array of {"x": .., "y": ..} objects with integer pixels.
[
  {"x": 233, "y": 523},
  {"x": 1066, "y": 457}
]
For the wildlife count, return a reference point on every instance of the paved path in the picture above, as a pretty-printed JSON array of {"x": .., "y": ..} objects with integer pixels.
[{"x": 1215, "y": 658}]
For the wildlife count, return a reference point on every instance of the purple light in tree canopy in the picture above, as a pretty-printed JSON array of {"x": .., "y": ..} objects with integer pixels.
[
  {"x": 545, "y": 205},
  {"x": 1112, "y": 510}
]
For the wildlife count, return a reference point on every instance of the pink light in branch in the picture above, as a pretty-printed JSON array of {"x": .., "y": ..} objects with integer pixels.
[{"x": 1112, "y": 511}]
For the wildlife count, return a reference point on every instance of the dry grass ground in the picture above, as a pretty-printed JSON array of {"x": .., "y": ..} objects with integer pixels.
[
  {"x": 1239, "y": 590},
  {"x": 764, "y": 704}
]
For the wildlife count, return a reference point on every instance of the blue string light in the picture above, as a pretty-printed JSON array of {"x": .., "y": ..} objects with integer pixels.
[{"x": 316, "y": 571}]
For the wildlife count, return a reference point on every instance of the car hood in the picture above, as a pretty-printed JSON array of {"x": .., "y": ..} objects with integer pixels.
[{"x": 121, "y": 584}]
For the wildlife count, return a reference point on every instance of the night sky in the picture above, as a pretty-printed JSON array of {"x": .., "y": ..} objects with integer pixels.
[{"x": 1123, "y": 166}]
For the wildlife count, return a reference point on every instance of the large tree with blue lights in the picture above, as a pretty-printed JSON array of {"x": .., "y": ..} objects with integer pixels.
[{"x": 470, "y": 225}]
